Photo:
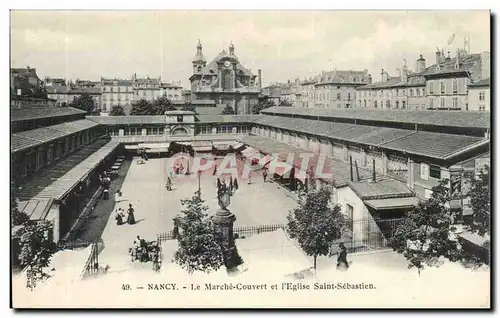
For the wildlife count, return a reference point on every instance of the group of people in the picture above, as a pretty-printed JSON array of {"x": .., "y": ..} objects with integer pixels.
[
  {"x": 120, "y": 216},
  {"x": 146, "y": 251},
  {"x": 105, "y": 181}
]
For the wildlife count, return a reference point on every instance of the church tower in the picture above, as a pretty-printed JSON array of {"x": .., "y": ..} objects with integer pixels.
[
  {"x": 199, "y": 61},
  {"x": 231, "y": 49}
]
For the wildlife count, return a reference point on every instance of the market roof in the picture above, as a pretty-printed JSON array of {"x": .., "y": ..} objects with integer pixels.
[
  {"x": 128, "y": 120},
  {"x": 384, "y": 188},
  {"x": 36, "y": 209},
  {"x": 31, "y": 138},
  {"x": 436, "y": 118},
  {"x": 226, "y": 118},
  {"x": 42, "y": 112},
  {"x": 392, "y": 203},
  {"x": 56, "y": 181}
]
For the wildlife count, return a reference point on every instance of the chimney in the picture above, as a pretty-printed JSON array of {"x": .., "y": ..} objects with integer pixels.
[
  {"x": 420, "y": 64},
  {"x": 369, "y": 78},
  {"x": 404, "y": 73},
  {"x": 259, "y": 72},
  {"x": 350, "y": 166},
  {"x": 384, "y": 76},
  {"x": 438, "y": 56}
]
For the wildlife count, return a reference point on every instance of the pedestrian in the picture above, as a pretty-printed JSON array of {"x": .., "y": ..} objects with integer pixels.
[
  {"x": 342, "y": 263},
  {"x": 235, "y": 184},
  {"x": 215, "y": 170},
  {"x": 231, "y": 184},
  {"x": 264, "y": 174},
  {"x": 131, "y": 216}
]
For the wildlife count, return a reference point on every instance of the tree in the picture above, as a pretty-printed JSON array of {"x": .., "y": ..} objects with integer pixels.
[
  {"x": 189, "y": 107},
  {"x": 286, "y": 103},
  {"x": 228, "y": 110},
  {"x": 315, "y": 223},
  {"x": 31, "y": 245},
  {"x": 199, "y": 248},
  {"x": 161, "y": 105},
  {"x": 480, "y": 201},
  {"x": 36, "y": 249},
  {"x": 423, "y": 236},
  {"x": 117, "y": 110},
  {"x": 143, "y": 107},
  {"x": 84, "y": 102},
  {"x": 263, "y": 104}
]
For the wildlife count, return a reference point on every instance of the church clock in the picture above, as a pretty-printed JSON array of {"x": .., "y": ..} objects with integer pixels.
[{"x": 227, "y": 64}]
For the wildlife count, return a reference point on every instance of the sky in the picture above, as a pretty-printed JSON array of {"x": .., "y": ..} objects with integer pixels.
[{"x": 284, "y": 44}]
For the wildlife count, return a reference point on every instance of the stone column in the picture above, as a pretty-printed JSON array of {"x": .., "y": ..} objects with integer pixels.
[
  {"x": 410, "y": 178},
  {"x": 224, "y": 221}
]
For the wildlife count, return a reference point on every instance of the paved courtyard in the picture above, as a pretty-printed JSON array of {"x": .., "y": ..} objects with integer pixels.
[{"x": 144, "y": 187}]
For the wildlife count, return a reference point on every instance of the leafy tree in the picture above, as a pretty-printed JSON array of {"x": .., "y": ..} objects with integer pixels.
[
  {"x": 143, "y": 107},
  {"x": 199, "y": 248},
  {"x": 161, "y": 105},
  {"x": 84, "y": 102},
  {"x": 315, "y": 223},
  {"x": 424, "y": 234},
  {"x": 117, "y": 110},
  {"x": 286, "y": 103},
  {"x": 263, "y": 104},
  {"x": 228, "y": 110},
  {"x": 189, "y": 107},
  {"x": 480, "y": 201},
  {"x": 36, "y": 250}
]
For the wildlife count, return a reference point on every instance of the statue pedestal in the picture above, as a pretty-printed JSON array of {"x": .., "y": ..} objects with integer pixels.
[{"x": 224, "y": 220}]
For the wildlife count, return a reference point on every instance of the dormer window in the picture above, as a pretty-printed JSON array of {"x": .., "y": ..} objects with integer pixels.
[{"x": 179, "y": 118}]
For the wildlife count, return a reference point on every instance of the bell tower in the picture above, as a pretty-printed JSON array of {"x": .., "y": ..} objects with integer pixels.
[{"x": 199, "y": 60}]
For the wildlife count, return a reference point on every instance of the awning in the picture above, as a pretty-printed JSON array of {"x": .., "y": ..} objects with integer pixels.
[
  {"x": 391, "y": 204},
  {"x": 36, "y": 209},
  {"x": 280, "y": 168}
]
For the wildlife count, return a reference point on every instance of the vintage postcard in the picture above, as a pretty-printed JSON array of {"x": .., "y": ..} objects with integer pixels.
[{"x": 250, "y": 159}]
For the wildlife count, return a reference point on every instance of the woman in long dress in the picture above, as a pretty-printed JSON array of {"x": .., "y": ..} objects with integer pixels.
[
  {"x": 342, "y": 263},
  {"x": 131, "y": 217}
]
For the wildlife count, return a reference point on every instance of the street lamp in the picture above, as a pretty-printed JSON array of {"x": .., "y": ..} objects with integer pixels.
[{"x": 199, "y": 182}]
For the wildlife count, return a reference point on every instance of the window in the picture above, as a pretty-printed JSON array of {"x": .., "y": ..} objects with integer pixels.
[
  {"x": 397, "y": 104},
  {"x": 411, "y": 92},
  {"x": 481, "y": 96},
  {"x": 133, "y": 131},
  {"x": 455, "y": 86},
  {"x": 148, "y": 131},
  {"x": 431, "y": 88},
  {"x": 388, "y": 104},
  {"x": 179, "y": 119},
  {"x": 364, "y": 103},
  {"x": 481, "y": 108},
  {"x": 126, "y": 132},
  {"x": 375, "y": 104},
  {"x": 442, "y": 87},
  {"x": 455, "y": 102},
  {"x": 431, "y": 102},
  {"x": 155, "y": 130},
  {"x": 160, "y": 131},
  {"x": 442, "y": 102},
  {"x": 348, "y": 96},
  {"x": 423, "y": 91},
  {"x": 339, "y": 105},
  {"x": 403, "y": 105},
  {"x": 350, "y": 211},
  {"x": 435, "y": 172}
]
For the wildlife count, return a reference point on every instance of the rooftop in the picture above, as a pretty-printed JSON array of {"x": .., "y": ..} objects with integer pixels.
[
  {"x": 435, "y": 118},
  {"x": 42, "y": 112},
  {"x": 343, "y": 77},
  {"x": 481, "y": 83}
]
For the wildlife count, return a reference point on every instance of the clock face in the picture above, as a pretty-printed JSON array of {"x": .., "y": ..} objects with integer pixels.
[{"x": 227, "y": 63}]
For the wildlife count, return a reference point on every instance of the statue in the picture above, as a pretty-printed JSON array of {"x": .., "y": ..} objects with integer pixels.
[{"x": 224, "y": 197}]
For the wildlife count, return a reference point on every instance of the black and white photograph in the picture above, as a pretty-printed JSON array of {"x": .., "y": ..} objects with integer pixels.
[{"x": 250, "y": 159}]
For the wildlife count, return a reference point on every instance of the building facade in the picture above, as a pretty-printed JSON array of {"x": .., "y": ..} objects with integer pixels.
[
  {"x": 224, "y": 80},
  {"x": 173, "y": 91},
  {"x": 479, "y": 96},
  {"x": 116, "y": 92},
  {"x": 337, "y": 89}
]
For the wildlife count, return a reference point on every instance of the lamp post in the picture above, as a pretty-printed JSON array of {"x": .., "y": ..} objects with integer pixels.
[{"x": 199, "y": 182}]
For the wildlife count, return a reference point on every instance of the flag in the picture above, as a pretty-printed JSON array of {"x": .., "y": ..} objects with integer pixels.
[{"x": 452, "y": 39}]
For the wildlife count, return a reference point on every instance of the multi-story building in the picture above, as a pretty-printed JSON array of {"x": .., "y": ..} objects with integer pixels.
[
  {"x": 447, "y": 81},
  {"x": 54, "y": 82},
  {"x": 308, "y": 92},
  {"x": 337, "y": 89},
  {"x": 224, "y": 80},
  {"x": 443, "y": 85},
  {"x": 173, "y": 91},
  {"x": 116, "y": 92},
  {"x": 479, "y": 95},
  {"x": 64, "y": 95},
  {"x": 27, "y": 89},
  {"x": 146, "y": 88}
]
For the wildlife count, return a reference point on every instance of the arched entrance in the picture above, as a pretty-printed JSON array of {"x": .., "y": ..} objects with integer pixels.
[{"x": 179, "y": 131}]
